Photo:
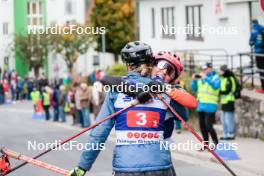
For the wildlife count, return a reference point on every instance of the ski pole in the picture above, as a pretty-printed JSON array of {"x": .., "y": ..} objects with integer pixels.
[
  {"x": 196, "y": 135},
  {"x": 35, "y": 162},
  {"x": 76, "y": 135}
]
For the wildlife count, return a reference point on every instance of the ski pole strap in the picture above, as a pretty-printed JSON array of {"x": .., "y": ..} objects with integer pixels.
[{"x": 196, "y": 135}]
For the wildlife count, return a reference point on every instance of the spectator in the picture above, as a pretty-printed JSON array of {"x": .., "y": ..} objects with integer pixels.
[
  {"x": 180, "y": 84},
  {"x": 62, "y": 102},
  {"x": 25, "y": 89},
  {"x": 228, "y": 87},
  {"x": 35, "y": 95},
  {"x": 2, "y": 93},
  {"x": 85, "y": 98},
  {"x": 71, "y": 98},
  {"x": 29, "y": 86},
  {"x": 6, "y": 89},
  {"x": 45, "y": 96},
  {"x": 55, "y": 103},
  {"x": 207, "y": 85},
  {"x": 78, "y": 104},
  {"x": 13, "y": 89},
  {"x": 257, "y": 44},
  {"x": 19, "y": 88}
]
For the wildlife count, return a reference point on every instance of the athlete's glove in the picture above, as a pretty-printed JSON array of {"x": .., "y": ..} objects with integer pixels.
[
  {"x": 77, "y": 171},
  {"x": 143, "y": 97}
]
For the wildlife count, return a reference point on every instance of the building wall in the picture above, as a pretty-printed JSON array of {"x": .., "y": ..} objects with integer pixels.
[
  {"x": 58, "y": 15},
  {"x": 21, "y": 28},
  {"x": 6, "y": 16},
  {"x": 56, "y": 11},
  {"x": 84, "y": 64},
  {"x": 236, "y": 13}
]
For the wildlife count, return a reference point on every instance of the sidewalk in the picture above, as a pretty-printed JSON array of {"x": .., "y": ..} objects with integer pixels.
[{"x": 250, "y": 151}]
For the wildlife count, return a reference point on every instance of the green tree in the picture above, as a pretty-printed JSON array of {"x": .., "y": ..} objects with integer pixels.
[
  {"x": 117, "y": 70},
  {"x": 32, "y": 49},
  {"x": 70, "y": 43},
  {"x": 118, "y": 17}
]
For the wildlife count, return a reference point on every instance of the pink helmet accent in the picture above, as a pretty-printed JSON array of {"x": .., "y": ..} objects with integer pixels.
[{"x": 171, "y": 58}]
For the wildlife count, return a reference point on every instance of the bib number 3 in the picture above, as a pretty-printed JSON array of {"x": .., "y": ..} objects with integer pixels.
[
  {"x": 143, "y": 119},
  {"x": 147, "y": 119}
]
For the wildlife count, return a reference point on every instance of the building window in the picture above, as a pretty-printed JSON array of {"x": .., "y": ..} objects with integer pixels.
[
  {"x": 35, "y": 13},
  {"x": 5, "y": 28},
  {"x": 69, "y": 10},
  {"x": 153, "y": 22},
  {"x": 6, "y": 62},
  {"x": 96, "y": 60},
  {"x": 167, "y": 21},
  {"x": 194, "y": 22}
]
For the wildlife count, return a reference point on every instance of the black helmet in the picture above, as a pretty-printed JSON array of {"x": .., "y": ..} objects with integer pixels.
[
  {"x": 223, "y": 68},
  {"x": 135, "y": 53}
]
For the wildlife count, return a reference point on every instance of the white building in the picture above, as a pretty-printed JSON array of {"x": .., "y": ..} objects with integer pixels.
[
  {"x": 6, "y": 34},
  {"x": 18, "y": 15},
  {"x": 226, "y": 24}
]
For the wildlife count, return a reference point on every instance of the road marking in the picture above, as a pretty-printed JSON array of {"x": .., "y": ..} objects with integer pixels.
[{"x": 16, "y": 110}]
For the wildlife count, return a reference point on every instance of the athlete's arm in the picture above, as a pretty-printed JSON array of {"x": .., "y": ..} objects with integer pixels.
[
  {"x": 98, "y": 135},
  {"x": 183, "y": 98}
]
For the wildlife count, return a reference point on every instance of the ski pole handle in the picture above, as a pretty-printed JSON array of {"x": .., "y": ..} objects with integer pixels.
[{"x": 10, "y": 153}]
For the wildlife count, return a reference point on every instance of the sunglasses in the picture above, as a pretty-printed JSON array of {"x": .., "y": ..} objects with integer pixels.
[{"x": 164, "y": 65}]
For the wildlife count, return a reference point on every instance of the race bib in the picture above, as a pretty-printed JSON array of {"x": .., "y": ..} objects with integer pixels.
[{"x": 145, "y": 119}]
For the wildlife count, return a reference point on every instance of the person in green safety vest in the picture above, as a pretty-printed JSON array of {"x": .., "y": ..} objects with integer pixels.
[
  {"x": 35, "y": 96},
  {"x": 45, "y": 96},
  {"x": 207, "y": 86},
  {"x": 227, "y": 100}
]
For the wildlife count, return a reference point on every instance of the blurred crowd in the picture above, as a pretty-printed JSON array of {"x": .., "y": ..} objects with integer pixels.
[
  {"x": 55, "y": 98},
  {"x": 14, "y": 88},
  {"x": 76, "y": 98}
]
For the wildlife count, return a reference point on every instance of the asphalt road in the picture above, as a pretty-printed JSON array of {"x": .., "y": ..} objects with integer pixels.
[{"x": 18, "y": 130}]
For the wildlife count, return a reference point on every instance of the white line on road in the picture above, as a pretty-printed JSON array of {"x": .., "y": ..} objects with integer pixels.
[{"x": 15, "y": 110}]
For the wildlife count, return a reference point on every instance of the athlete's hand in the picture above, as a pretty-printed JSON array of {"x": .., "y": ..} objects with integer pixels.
[
  {"x": 143, "y": 97},
  {"x": 77, "y": 171}
]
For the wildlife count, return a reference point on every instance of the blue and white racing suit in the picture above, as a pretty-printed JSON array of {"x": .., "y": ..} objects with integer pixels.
[{"x": 139, "y": 132}]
